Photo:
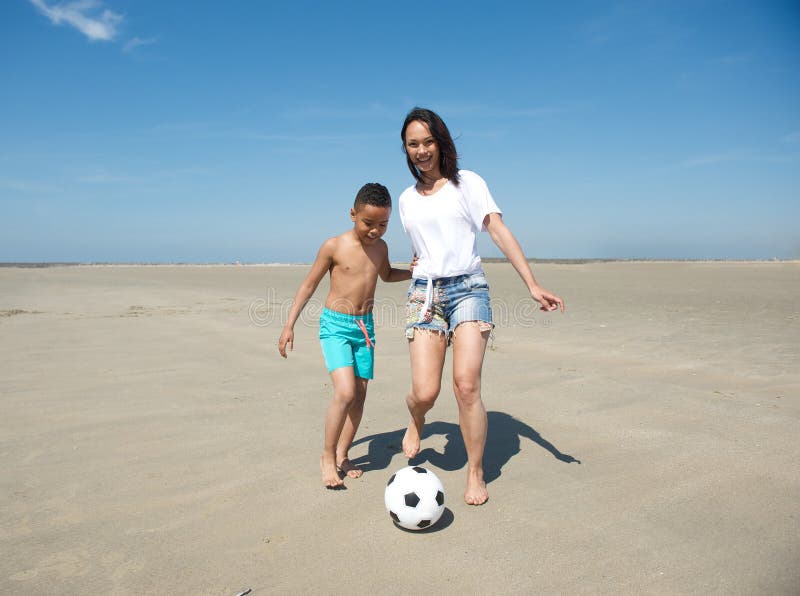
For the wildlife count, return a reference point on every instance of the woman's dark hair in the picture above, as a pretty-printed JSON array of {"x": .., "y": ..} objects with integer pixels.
[{"x": 448, "y": 158}]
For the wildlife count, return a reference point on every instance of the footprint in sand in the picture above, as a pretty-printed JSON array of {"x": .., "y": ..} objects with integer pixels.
[{"x": 74, "y": 563}]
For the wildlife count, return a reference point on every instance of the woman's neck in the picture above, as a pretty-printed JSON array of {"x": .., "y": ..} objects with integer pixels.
[{"x": 430, "y": 183}]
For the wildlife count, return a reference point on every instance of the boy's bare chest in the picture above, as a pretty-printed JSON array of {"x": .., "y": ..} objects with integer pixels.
[{"x": 355, "y": 263}]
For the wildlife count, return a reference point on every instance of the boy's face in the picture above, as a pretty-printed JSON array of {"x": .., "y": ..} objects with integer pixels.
[{"x": 370, "y": 222}]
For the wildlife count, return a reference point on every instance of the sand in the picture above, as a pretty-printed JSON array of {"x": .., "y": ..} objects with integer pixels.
[{"x": 153, "y": 441}]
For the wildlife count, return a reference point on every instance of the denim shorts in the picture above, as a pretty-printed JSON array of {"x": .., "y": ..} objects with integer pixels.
[
  {"x": 443, "y": 304},
  {"x": 348, "y": 340}
]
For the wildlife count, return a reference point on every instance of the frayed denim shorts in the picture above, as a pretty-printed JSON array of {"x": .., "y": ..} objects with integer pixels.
[{"x": 442, "y": 304}]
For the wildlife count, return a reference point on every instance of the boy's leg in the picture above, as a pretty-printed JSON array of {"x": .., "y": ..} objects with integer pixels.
[
  {"x": 427, "y": 350},
  {"x": 344, "y": 392},
  {"x": 350, "y": 428},
  {"x": 469, "y": 347}
]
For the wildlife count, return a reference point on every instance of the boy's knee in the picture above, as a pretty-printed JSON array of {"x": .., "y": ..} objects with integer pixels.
[
  {"x": 346, "y": 398},
  {"x": 358, "y": 400}
]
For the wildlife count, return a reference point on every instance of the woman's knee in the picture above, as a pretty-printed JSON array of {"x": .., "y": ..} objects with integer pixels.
[
  {"x": 425, "y": 394},
  {"x": 467, "y": 389}
]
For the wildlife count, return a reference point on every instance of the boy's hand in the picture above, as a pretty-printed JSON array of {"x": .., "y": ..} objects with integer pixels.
[{"x": 286, "y": 339}]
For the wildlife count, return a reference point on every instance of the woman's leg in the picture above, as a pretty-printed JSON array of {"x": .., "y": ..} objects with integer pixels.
[
  {"x": 427, "y": 350},
  {"x": 469, "y": 347}
]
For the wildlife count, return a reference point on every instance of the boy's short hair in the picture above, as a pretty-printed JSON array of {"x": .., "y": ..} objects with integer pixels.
[{"x": 373, "y": 194}]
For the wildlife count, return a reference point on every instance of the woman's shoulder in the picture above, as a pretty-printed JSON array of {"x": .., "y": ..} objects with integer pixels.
[
  {"x": 410, "y": 191},
  {"x": 470, "y": 178}
]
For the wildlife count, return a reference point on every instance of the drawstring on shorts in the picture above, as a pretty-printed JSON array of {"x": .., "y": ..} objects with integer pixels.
[
  {"x": 428, "y": 301},
  {"x": 363, "y": 328}
]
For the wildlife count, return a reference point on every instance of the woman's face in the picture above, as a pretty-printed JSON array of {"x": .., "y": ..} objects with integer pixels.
[{"x": 421, "y": 147}]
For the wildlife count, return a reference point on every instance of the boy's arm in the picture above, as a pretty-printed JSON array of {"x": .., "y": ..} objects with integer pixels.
[
  {"x": 321, "y": 266},
  {"x": 389, "y": 273},
  {"x": 508, "y": 244}
]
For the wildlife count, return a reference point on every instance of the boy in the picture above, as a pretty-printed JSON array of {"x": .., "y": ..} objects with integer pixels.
[{"x": 354, "y": 259}]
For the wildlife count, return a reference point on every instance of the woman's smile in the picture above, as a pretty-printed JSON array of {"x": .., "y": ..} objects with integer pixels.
[{"x": 421, "y": 147}]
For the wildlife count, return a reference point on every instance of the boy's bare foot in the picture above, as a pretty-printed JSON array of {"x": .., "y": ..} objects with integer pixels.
[
  {"x": 476, "y": 493},
  {"x": 350, "y": 469},
  {"x": 411, "y": 440},
  {"x": 330, "y": 476}
]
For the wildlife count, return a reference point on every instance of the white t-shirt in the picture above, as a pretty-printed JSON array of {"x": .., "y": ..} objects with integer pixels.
[{"x": 443, "y": 227}]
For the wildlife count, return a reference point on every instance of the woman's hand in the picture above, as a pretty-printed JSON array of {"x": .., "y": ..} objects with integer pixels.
[{"x": 548, "y": 300}]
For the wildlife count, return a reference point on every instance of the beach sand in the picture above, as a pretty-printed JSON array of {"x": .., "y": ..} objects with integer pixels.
[{"x": 153, "y": 441}]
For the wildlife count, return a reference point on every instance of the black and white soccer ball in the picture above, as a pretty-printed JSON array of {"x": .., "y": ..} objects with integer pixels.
[{"x": 414, "y": 498}]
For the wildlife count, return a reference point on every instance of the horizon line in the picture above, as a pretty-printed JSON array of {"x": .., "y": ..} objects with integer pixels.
[{"x": 488, "y": 260}]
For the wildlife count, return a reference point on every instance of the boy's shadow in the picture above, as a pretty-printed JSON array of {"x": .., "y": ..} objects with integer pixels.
[{"x": 502, "y": 443}]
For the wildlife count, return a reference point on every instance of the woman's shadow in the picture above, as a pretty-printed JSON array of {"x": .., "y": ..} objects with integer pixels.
[{"x": 502, "y": 443}]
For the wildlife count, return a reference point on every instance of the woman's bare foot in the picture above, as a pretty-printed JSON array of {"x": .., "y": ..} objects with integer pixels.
[
  {"x": 411, "y": 440},
  {"x": 330, "y": 475},
  {"x": 476, "y": 493},
  {"x": 350, "y": 469}
]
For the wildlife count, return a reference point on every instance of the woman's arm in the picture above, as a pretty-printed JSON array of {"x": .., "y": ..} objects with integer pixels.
[{"x": 509, "y": 246}]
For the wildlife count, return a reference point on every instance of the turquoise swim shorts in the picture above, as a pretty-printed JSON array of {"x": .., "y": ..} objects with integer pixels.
[{"x": 348, "y": 340}]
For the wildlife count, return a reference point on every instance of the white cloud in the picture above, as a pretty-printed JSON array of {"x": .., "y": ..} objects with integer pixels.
[
  {"x": 106, "y": 178},
  {"x": 733, "y": 59},
  {"x": 312, "y": 138},
  {"x": 711, "y": 159},
  {"x": 743, "y": 156},
  {"x": 447, "y": 109},
  {"x": 792, "y": 137},
  {"x": 374, "y": 110},
  {"x": 25, "y": 186},
  {"x": 136, "y": 42},
  {"x": 87, "y": 16}
]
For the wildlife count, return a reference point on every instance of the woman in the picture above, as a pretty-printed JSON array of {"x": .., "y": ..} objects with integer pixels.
[{"x": 448, "y": 301}]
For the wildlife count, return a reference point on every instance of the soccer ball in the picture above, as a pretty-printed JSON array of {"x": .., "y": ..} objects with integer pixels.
[{"x": 414, "y": 498}]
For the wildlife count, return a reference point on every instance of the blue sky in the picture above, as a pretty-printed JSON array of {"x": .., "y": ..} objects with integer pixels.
[{"x": 151, "y": 131}]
